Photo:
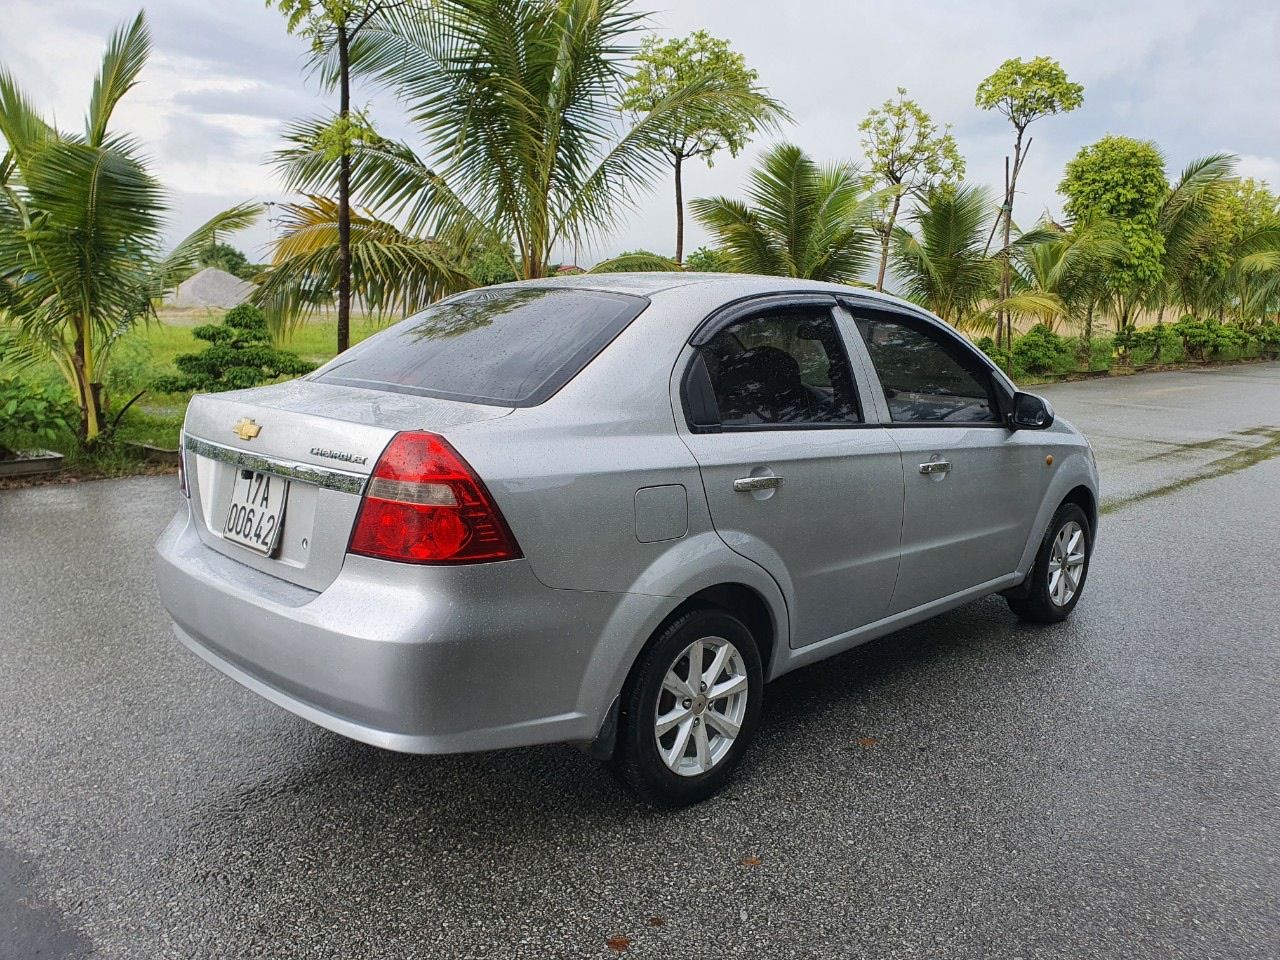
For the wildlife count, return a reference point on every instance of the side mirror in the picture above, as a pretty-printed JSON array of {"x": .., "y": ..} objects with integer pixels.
[{"x": 1030, "y": 412}]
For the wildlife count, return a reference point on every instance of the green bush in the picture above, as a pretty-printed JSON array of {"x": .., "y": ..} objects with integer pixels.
[
  {"x": 32, "y": 412},
  {"x": 240, "y": 354},
  {"x": 1157, "y": 344},
  {"x": 1268, "y": 337},
  {"x": 1212, "y": 340},
  {"x": 1040, "y": 351},
  {"x": 1089, "y": 355},
  {"x": 998, "y": 355}
]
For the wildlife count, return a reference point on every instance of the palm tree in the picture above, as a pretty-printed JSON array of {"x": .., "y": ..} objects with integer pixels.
[
  {"x": 1203, "y": 273},
  {"x": 1067, "y": 268},
  {"x": 802, "y": 219},
  {"x": 80, "y": 232},
  {"x": 1254, "y": 273},
  {"x": 1185, "y": 228},
  {"x": 518, "y": 104},
  {"x": 943, "y": 264}
]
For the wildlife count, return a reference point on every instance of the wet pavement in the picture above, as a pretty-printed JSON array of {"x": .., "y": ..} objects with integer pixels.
[{"x": 970, "y": 787}]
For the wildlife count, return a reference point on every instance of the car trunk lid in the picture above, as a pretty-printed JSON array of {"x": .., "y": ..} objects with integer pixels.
[{"x": 323, "y": 440}]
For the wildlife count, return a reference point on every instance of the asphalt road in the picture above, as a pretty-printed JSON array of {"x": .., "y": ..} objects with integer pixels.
[{"x": 967, "y": 788}]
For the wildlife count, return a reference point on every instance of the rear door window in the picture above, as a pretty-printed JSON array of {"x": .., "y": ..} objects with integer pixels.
[
  {"x": 513, "y": 346},
  {"x": 784, "y": 367}
]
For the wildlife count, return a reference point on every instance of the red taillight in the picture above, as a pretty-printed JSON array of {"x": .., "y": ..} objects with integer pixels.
[{"x": 425, "y": 505}]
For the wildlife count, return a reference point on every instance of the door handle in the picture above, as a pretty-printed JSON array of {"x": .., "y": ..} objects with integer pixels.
[
  {"x": 936, "y": 466},
  {"x": 747, "y": 484}
]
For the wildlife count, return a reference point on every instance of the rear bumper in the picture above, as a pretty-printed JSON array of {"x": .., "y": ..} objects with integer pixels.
[{"x": 416, "y": 659}]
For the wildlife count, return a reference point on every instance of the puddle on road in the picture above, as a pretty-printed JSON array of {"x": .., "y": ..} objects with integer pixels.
[
  {"x": 33, "y": 928},
  {"x": 1241, "y": 459}
]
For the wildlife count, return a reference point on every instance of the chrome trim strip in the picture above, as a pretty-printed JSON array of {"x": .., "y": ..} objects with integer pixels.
[{"x": 330, "y": 479}]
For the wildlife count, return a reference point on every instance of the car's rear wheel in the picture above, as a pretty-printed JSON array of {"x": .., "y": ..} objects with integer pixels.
[
  {"x": 689, "y": 709},
  {"x": 1062, "y": 565}
]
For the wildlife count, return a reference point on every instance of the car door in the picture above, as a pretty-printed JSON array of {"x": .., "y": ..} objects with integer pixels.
[
  {"x": 972, "y": 485},
  {"x": 795, "y": 477}
]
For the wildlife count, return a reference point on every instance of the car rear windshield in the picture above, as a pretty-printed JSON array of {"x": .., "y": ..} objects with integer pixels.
[{"x": 513, "y": 346}]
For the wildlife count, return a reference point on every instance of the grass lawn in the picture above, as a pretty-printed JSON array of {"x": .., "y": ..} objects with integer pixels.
[{"x": 315, "y": 340}]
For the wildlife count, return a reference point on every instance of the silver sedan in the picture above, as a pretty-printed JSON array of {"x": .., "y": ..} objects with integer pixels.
[{"x": 608, "y": 509}]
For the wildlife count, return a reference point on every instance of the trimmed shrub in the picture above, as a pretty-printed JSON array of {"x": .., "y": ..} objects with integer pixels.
[
  {"x": 240, "y": 354},
  {"x": 1157, "y": 344},
  {"x": 1211, "y": 339},
  {"x": 1040, "y": 351}
]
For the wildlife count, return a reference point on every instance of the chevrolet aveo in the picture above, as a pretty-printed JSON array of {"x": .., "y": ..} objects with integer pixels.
[{"x": 608, "y": 509}]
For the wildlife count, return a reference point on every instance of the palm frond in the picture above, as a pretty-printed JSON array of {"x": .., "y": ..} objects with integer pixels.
[
  {"x": 943, "y": 264},
  {"x": 21, "y": 126},
  {"x": 391, "y": 272},
  {"x": 636, "y": 262},
  {"x": 126, "y": 54}
]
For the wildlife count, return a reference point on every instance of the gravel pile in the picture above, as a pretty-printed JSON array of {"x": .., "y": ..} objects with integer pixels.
[{"x": 210, "y": 287}]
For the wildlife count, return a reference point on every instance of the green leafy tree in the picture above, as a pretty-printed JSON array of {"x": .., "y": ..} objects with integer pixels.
[
  {"x": 709, "y": 260},
  {"x": 224, "y": 256},
  {"x": 908, "y": 154},
  {"x": 489, "y": 262},
  {"x": 240, "y": 354},
  {"x": 1122, "y": 181},
  {"x": 664, "y": 67},
  {"x": 801, "y": 219},
  {"x": 81, "y": 223},
  {"x": 1022, "y": 91},
  {"x": 333, "y": 26},
  {"x": 517, "y": 102},
  {"x": 942, "y": 263}
]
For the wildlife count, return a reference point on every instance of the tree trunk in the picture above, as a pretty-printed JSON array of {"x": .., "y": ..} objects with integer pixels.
[
  {"x": 884, "y": 240},
  {"x": 344, "y": 194},
  {"x": 88, "y": 394},
  {"x": 1123, "y": 352},
  {"x": 1085, "y": 354},
  {"x": 1003, "y": 318},
  {"x": 679, "y": 213}
]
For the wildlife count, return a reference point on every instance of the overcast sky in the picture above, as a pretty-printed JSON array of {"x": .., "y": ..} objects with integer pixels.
[{"x": 1196, "y": 77}]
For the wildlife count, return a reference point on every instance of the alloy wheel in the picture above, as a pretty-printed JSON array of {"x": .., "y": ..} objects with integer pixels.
[
  {"x": 701, "y": 707},
  {"x": 1066, "y": 563}
]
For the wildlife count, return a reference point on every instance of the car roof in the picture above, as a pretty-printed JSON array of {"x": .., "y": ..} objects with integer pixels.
[{"x": 733, "y": 285}]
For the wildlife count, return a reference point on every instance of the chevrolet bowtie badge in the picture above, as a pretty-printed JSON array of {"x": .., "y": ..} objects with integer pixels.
[{"x": 246, "y": 429}]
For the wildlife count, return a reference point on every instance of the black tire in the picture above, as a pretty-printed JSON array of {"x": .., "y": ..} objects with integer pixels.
[
  {"x": 637, "y": 761},
  {"x": 1037, "y": 605}
]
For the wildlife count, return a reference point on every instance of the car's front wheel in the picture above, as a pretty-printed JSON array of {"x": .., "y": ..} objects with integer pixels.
[
  {"x": 1062, "y": 565},
  {"x": 689, "y": 709}
]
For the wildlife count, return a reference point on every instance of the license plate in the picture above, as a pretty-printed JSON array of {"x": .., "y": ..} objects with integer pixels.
[{"x": 257, "y": 511}]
